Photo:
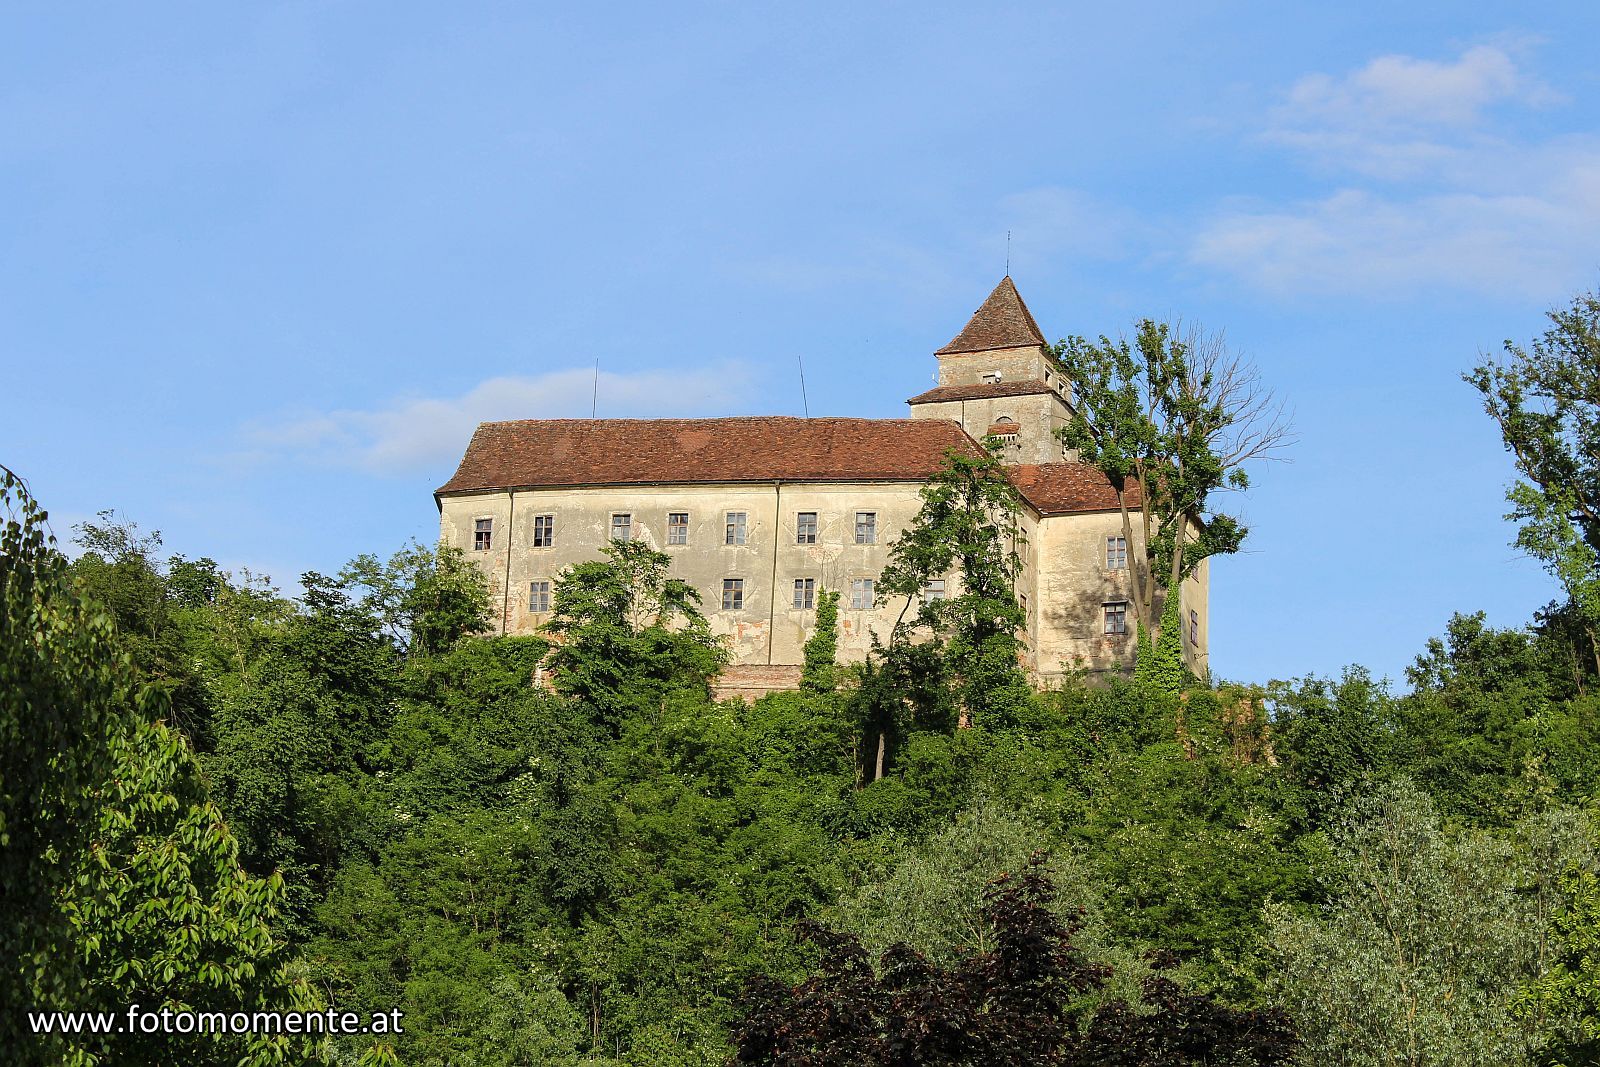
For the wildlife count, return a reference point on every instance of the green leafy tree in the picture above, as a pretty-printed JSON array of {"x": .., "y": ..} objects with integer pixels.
[
  {"x": 1174, "y": 417},
  {"x": 1426, "y": 938},
  {"x": 822, "y": 647},
  {"x": 627, "y": 633},
  {"x": 1545, "y": 397},
  {"x": 968, "y": 524},
  {"x": 119, "y": 882},
  {"x": 425, "y": 599}
]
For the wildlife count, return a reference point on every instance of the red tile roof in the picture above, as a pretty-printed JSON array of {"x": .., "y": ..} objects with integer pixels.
[
  {"x": 1003, "y": 321},
  {"x": 1065, "y": 488},
  {"x": 571, "y": 452},
  {"x": 983, "y": 391}
]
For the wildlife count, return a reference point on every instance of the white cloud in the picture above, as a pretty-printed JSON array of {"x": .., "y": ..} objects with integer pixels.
[
  {"x": 1430, "y": 194},
  {"x": 417, "y": 433}
]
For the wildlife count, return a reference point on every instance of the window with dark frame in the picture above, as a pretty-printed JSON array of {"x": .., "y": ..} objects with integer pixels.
[
  {"x": 732, "y": 594},
  {"x": 482, "y": 534},
  {"x": 1116, "y": 553},
  {"x": 866, "y": 527},
  {"x": 861, "y": 594},
  {"x": 805, "y": 593},
  {"x": 735, "y": 528},
  {"x": 1117, "y": 618},
  {"x": 544, "y": 531},
  {"x": 1194, "y": 627},
  {"x": 539, "y": 595},
  {"x": 932, "y": 590},
  {"x": 805, "y": 528},
  {"x": 622, "y": 526},
  {"x": 677, "y": 527}
]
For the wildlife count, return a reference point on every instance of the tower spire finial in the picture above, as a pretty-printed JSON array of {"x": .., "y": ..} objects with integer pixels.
[{"x": 1008, "y": 253}]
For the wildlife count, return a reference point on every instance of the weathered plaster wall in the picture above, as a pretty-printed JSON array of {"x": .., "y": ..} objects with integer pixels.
[
  {"x": 768, "y": 629},
  {"x": 1037, "y": 416},
  {"x": 1014, "y": 365}
]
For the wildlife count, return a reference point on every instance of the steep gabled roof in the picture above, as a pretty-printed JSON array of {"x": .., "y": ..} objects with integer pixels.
[
  {"x": 571, "y": 452},
  {"x": 1003, "y": 321},
  {"x": 1065, "y": 488},
  {"x": 981, "y": 391}
]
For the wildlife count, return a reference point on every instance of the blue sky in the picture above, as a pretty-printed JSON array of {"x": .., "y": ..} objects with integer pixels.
[{"x": 266, "y": 265}]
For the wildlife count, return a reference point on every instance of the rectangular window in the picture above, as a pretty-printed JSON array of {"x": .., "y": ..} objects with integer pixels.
[
  {"x": 482, "y": 534},
  {"x": 622, "y": 527},
  {"x": 677, "y": 527},
  {"x": 1116, "y": 553},
  {"x": 539, "y": 595},
  {"x": 866, "y": 527},
  {"x": 732, "y": 594},
  {"x": 735, "y": 529},
  {"x": 1194, "y": 627},
  {"x": 544, "y": 531},
  {"x": 805, "y": 528},
  {"x": 805, "y": 593},
  {"x": 861, "y": 594},
  {"x": 1117, "y": 617},
  {"x": 933, "y": 590}
]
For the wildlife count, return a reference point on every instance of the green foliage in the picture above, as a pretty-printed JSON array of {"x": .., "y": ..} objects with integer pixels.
[
  {"x": 1160, "y": 669},
  {"x": 119, "y": 882},
  {"x": 1545, "y": 397},
  {"x": 969, "y": 524},
  {"x": 1426, "y": 937},
  {"x": 425, "y": 599},
  {"x": 822, "y": 647},
  {"x": 1179, "y": 417},
  {"x": 628, "y": 634}
]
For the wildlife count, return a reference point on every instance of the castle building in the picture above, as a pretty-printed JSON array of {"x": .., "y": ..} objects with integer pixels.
[{"x": 763, "y": 514}]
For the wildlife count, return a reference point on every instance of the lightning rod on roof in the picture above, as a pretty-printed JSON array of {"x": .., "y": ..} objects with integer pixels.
[
  {"x": 804, "y": 402},
  {"x": 594, "y": 398},
  {"x": 1008, "y": 253}
]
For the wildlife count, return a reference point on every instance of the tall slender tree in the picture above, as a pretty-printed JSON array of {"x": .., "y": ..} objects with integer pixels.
[{"x": 1171, "y": 418}]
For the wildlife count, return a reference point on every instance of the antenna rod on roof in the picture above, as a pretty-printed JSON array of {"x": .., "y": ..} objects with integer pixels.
[
  {"x": 806, "y": 403},
  {"x": 594, "y": 399}
]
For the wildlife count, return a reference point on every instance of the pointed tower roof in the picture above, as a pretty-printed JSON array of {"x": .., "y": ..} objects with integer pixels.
[{"x": 1003, "y": 321}]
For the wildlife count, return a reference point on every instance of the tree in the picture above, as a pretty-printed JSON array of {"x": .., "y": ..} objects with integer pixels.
[
  {"x": 822, "y": 647},
  {"x": 1174, "y": 417},
  {"x": 1426, "y": 937},
  {"x": 969, "y": 523},
  {"x": 425, "y": 599},
  {"x": 1545, "y": 397},
  {"x": 119, "y": 882},
  {"x": 628, "y": 633}
]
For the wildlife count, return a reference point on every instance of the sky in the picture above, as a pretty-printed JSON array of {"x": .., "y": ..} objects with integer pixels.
[{"x": 263, "y": 267}]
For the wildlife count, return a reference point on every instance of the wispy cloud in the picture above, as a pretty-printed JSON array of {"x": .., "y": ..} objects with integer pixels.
[
  {"x": 1432, "y": 191},
  {"x": 417, "y": 433}
]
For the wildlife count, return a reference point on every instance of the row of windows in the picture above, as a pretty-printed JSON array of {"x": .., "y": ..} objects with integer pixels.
[
  {"x": 863, "y": 591},
  {"x": 735, "y": 528},
  {"x": 1116, "y": 617}
]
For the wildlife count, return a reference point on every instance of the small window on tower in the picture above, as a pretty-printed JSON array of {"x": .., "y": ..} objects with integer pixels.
[
  {"x": 1116, "y": 553},
  {"x": 677, "y": 527},
  {"x": 1194, "y": 627},
  {"x": 482, "y": 534},
  {"x": 991, "y": 378}
]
